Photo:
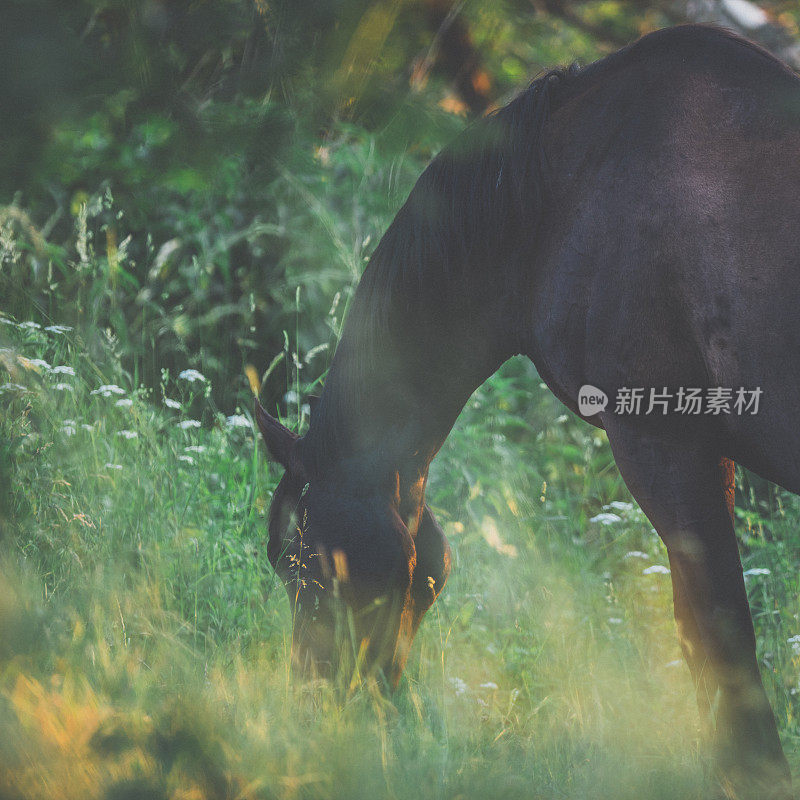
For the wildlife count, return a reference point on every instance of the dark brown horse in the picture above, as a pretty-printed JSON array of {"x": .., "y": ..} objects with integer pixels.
[{"x": 632, "y": 224}]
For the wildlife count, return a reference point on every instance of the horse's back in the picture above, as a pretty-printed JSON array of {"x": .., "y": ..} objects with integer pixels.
[{"x": 670, "y": 250}]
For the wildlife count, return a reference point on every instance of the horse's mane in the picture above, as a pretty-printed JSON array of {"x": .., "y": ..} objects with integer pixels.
[
  {"x": 475, "y": 198},
  {"x": 469, "y": 197}
]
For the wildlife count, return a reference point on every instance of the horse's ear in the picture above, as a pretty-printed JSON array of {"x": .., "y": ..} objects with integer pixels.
[
  {"x": 313, "y": 402},
  {"x": 280, "y": 441}
]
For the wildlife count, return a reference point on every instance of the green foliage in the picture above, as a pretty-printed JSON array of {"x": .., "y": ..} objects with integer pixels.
[{"x": 144, "y": 638}]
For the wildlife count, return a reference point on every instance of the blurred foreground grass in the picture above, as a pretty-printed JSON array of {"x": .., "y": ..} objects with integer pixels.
[{"x": 144, "y": 640}]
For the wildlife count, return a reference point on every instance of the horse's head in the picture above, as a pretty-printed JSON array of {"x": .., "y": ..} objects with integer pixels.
[{"x": 358, "y": 579}]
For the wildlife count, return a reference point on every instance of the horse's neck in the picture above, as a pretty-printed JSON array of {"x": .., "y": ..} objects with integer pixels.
[
  {"x": 391, "y": 400},
  {"x": 432, "y": 317}
]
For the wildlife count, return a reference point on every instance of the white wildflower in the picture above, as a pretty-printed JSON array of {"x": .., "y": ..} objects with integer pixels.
[
  {"x": 107, "y": 389},
  {"x": 34, "y": 362},
  {"x": 606, "y": 519},
  {"x": 7, "y": 321},
  {"x": 489, "y": 685},
  {"x": 171, "y": 403},
  {"x": 189, "y": 423},
  {"x": 124, "y": 402},
  {"x": 68, "y": 430},
  {"x": 64, "y": 387},
  {"x": 636, "y": 554},
  {"x": 113, "y": 466},
  {"x": 291, "y": 397},
  {"x": 459, "y": 685},
  {"x": 238, "y": 421},
  {"x": 656, "y": 569},
  {"x": 12, "y": 387},
  {"x": 192, "y": 375},
  {"x": 195, "y": 448},
  {"x": 619, "y": 505},
  {"x": 757, "y": 571},
  {"x": 62, "y": 370},
  {"x": 58, "y": 328},
  {"x": 87, "y": 427},
  {"x": 794, "y": 641},
  {"x": 187, "y": 459},
  {"x": 31, "y": 326},
  {"x": 128, "y": 434},
  {"x": 615, "y": 620}
]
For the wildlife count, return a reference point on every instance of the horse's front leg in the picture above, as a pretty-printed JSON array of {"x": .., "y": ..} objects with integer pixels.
[{"x": 678, "y": 483}]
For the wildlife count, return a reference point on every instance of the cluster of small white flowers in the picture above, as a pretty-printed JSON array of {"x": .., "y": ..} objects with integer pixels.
[
  {"x": 489, "y": 685},
  {"x": 169, "y": 403},
  {"x": 636, "y": 554},
  {"x": 35, "y": 326},
  {"x": 187, "y": 459},
  {"x": 195, "y": 448},
  {"x": 615, "y": 620},
  {"x": 40, "y": 365},
  {"x": 626, "y": 511},
  {"x": 459, "y": 685},
  {"x": 656, "y": 569},
  {"x": 12, "y": 387},
  {"x": 619, "y": 505},
  {"x": 107, "y": 389},
  {"x": 191, "y": 375},
  {"x": 794, "y": 641},
  {"x": 36, "y": 363},
  {"x": 68, "y": 427},
  {"x": 113, "y": 466},
  {"x": 189, "y": 423},
  {"x": 128, "y": 434},
  {"x": 124, "y": 402},
  {"x": 238, "y": 421},
  {"x": 64, "y": 387},
  {"x": 606, "y": 519},
  {"x": 757, "y": 571}
]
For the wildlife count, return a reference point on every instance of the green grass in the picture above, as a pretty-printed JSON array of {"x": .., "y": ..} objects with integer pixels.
[{"x": 144, "y": 640}]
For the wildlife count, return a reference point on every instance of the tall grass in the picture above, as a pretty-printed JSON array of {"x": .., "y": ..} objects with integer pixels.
[{"x": 144, "y": 639}]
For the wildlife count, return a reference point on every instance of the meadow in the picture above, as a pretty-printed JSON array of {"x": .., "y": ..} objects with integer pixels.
[
  {"x": 144, "y": 641},
  {"x": 188, "y": 195}
]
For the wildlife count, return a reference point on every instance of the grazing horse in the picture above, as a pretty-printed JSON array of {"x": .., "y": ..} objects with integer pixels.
[{"x": 635, "y": 223}]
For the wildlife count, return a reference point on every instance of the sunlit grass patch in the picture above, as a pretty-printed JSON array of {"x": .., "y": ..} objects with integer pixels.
[{"x": 144, "y": 641}]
